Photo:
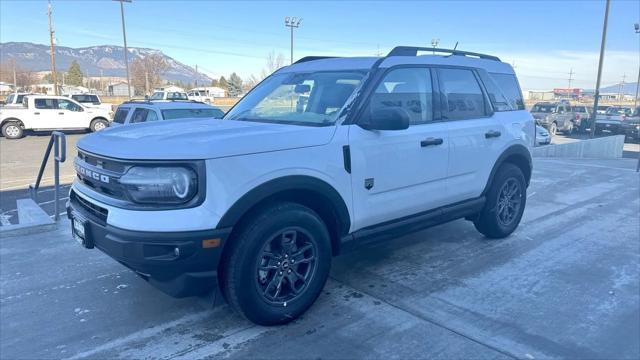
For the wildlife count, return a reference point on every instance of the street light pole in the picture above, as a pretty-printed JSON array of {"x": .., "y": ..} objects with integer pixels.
[
  {"x": 602, "y": 44},
  {"x": 124, "y": 35},
  {"x": 292, "y": 22}
]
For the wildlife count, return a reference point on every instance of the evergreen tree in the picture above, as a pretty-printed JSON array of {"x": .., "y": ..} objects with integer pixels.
[
  {"x": 222, "y": 83},
  {"x": 214, "y": 82},
  {"x": 74, "y": 75},
  {"x": 235, "y": 85}
]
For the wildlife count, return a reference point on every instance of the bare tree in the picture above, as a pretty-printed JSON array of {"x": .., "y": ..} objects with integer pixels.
[
  {"x": 274, "y": 62},
  {"x": 24, "y": 79},
  {"x": 146, "y": 72},
  {"x": 249, "y": 83}
]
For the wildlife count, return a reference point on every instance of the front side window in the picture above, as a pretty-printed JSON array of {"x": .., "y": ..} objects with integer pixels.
[
  {"x": 68, "y": 105},
  {"x": 511, "y": 89},
  {"x": 310, "y": 99},
  {"x": 191, "y": 113},
  {"x": 45, "y": 103},
  {"x": 543, "y": 108},
  {"x": 408, "y": 89},
  {"x": 10, "y": 98},
  {"x": 121, "y": 115},
  {"x": 462, "y": 95},
  {"x": 20, "y": 99},
  {"x": 139, "y": 115}
]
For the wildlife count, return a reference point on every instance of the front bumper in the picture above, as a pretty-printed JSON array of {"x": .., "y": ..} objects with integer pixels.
[
  {"x": 190, "y": 270},
  {"x": 615, "y": 128}
]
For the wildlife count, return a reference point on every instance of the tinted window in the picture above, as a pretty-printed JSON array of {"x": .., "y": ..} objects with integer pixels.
[
  {"x": 20, "y": 99},
  {"x": 192, "y": 113},
  {"x": 509, "y": 85},
  {"x": 68, "y": 105},
  {"x": 498, "y": 99},
  {"x": 462, "y": 94},
  {"x": 85, "y": 98},
  {"x": 121, "y": 115},
  {"x": 157, "y": 96},
  {"x": 579, "y": 109},
  {"x": 409, "y": 89},
  {"x": 152, "y": 116},
  {"x": 139, "y": 115},
  {"x": 176, "y": 96},
  {"x": 10, "y": 99},
  {"x": 45, "y": 103}
]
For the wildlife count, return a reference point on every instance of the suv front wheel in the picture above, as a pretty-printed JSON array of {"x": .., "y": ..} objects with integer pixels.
[
  {"x": 505, "y": 203},
  {"x": 277, "y": 264}
]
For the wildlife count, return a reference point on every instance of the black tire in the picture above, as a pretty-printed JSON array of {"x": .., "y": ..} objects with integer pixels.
[
  {"x": 99, "y": 124},
  {"x": 553, "y": 129},
  {"x": 491, "y": 222},
  {"x": 12, "y": 130},
  {"x": 262, "y": 244}
]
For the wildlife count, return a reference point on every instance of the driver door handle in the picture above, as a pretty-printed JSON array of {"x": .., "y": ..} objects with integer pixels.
[
  {"x": 431, "y": 141},
  {"x": 492, "y": 134},
  {"x": 60, "y": 113}
]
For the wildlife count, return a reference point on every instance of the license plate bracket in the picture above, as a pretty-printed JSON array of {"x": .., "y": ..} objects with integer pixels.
[{"x": 80, "y": 231}]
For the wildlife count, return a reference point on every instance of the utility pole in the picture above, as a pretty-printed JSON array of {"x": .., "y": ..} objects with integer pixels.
[
  {"x": 126, "y": 51},
  {"x": 101, "y": 83},
  {"x": 602, "y": 44},
  {"x": 434, "y": 44},
  {"x": 292, "y": 22},
  {"x": 196, "y": 76},
  {"x": 570, "y": 78},
  {"x": 621, "y": 88},
  {"x": 15, "y": 78},
  {"x": 54, "y": 78},
  {"x": 635, "y": 103},
  {"x": 146, "y": 82}
]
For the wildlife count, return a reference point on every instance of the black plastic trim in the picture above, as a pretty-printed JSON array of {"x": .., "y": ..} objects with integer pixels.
[
  {"x": 413, "y": 51},
  {"x": 287, "y": 183},
  {"x": 518, "y": 150},
  {"x": 412, "y": 223},
  {"x": 346, "y": 154}
]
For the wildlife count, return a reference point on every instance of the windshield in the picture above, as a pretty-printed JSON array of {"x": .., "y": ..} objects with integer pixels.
[
  {"x": 544, "y": 108},
  {"x": 192, "y": 113},
  {"x": 311, "y": 99},
  {"x": 10, "y": 98},
  {"x": 579, "y": 109}
]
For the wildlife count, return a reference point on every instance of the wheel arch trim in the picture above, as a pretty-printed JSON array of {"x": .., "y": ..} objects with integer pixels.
[{"x": 516, "y": 151}]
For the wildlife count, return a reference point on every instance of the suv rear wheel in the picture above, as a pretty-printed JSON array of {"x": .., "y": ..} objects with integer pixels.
[
  {"x": 277, "y": 265},
  {"x": 505, "y": 204}
]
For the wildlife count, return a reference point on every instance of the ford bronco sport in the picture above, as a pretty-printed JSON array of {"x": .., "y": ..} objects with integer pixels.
[{"x": 256, "y": 204}]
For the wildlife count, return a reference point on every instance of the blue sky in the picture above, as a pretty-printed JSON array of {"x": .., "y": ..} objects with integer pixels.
[{"x": 543, "y": 39}]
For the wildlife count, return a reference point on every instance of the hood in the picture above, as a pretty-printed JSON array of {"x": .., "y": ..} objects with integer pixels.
[
  {"x": 540, "y": 115},
  {"x": 192, "y": 139}
]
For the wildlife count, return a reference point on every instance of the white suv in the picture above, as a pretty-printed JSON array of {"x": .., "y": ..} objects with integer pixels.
[{"x": 256, "y": 204}]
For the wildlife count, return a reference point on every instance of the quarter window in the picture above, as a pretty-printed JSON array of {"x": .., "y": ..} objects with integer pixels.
[
  {"x": 139, "y": 115},
  {"x": 462, "y": 95},
  {"x": 509, "y": 85},
  {"x": 408, "y": 89}
]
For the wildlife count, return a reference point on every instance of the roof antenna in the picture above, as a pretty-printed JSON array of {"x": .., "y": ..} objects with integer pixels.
[{"x": 455, "y": 47}]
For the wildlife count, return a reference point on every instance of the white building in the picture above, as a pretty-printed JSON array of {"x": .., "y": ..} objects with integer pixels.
[
  {"x": 169, "y": 88},
  {"x": 6, "y": 88}
]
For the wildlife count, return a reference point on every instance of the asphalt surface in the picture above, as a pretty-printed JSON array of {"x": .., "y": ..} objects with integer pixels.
[{"x": 566, "y": 284}]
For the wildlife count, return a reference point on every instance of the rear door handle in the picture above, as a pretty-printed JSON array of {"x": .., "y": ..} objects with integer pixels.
[
  {"x": 60, "y": 113},
  {"x": 36, "y": 113},
  {"x": 492, "y": 134},
  {"x": 431, "y": 141}
]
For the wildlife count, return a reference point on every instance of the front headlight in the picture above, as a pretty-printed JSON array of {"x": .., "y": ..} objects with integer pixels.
[{"x": 160, "y": 185}]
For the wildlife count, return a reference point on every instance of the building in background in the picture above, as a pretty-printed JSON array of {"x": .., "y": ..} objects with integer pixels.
[
  {"x": 119, "y": 89},
  {"x": 211, "y": 91},
  {"x": 169, "y": 88},
  {"x": 6, "y": 88}
]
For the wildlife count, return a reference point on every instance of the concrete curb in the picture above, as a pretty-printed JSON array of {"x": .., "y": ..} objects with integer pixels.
[
  {"x": 609, "y": 147},
  {"x": 32, "y": 220}
]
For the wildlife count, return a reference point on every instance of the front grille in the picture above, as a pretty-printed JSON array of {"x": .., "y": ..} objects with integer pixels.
[
  {"x": 97, "y": 211},
  {"x": 102, "y": 176}
]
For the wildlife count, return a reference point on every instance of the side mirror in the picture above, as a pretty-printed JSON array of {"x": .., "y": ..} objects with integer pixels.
[
  {"x": 146, "y": 97},
  {"x": 387, "y": 119}
]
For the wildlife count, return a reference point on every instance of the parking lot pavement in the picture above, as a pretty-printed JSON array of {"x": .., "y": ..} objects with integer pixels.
[{"x": 566, "y": 284}]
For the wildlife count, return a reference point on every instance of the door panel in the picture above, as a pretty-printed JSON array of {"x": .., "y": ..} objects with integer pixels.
[
  {"x": 396, "y": 173},
  {"x": 70, "y": 115}
]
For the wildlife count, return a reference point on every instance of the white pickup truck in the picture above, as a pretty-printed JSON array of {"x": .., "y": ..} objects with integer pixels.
[
  {"x": 15, "y": 99},
  {"x": 92, "y": 101},
  {"x": 43, "y": 112}
]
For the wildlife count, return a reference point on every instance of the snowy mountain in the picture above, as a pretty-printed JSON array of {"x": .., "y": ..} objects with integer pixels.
[{"x": 108, "y": 58}]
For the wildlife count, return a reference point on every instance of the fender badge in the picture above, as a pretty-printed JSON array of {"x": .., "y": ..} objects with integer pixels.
[{"x": 368, "y": 183}]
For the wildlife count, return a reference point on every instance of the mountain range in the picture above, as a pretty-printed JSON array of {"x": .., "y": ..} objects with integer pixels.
[{"x": 106, "y": 58}]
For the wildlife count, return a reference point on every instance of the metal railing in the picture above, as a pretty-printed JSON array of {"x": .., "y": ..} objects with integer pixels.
[{"x": 59, "y": 144}]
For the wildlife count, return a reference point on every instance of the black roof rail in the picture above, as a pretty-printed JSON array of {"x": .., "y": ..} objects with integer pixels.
[
  {"x": 413, "y": 51},
  {"x": 312, "y": 58}
]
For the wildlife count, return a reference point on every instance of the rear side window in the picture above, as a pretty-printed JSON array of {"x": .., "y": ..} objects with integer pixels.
[
  {"x": 45, "y": 103},
  {"x": 85, "y": 98},
  {"x": 192, "y": 113},
  {"x": 409, "y": 89},
  {"x": 121, "y": 115},
  {"x": 463, "y": 97},
  {"x": 510, "y": 88}
]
